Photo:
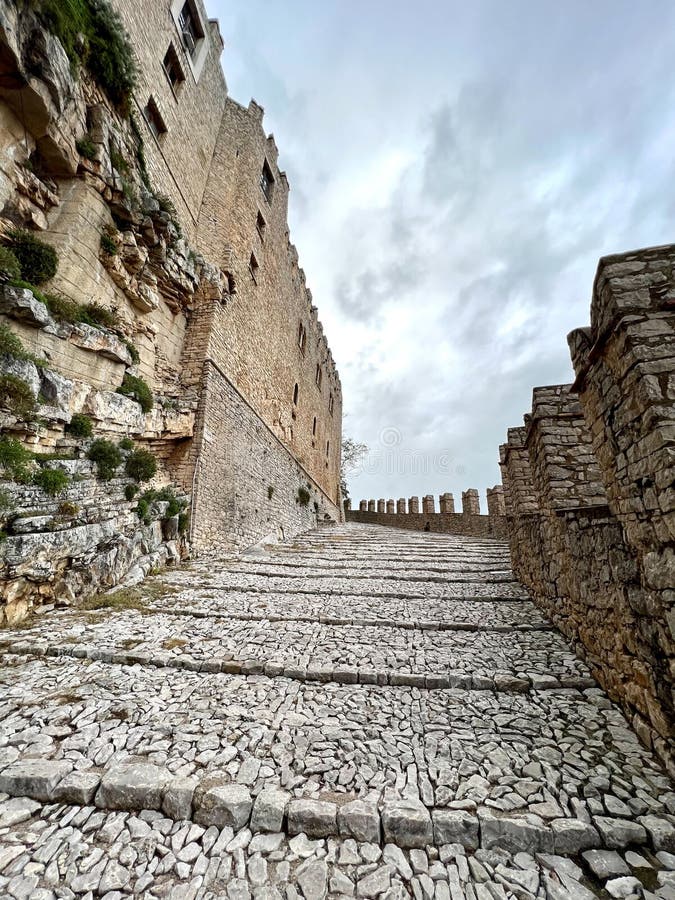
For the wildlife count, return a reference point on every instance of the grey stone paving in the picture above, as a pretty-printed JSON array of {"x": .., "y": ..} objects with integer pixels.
[{"x": 423, "y": 739}]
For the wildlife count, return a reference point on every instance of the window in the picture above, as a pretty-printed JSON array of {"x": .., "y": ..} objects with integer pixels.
[
  {"x": 190, "y": 28},
  {"x": 318, "y": 376},
  {"x": 154, "y": 118},
  {"x": 327, "y": 447},
  {"x": 295, "y": 395},
  {"x": 314, "y": 427},
  {"x": 253, "y": 267},
  {"x": 261, "y": 225},
  {"x": 172, "y": 68},
  {"x": 267, "y": 181},
  {"x": 330, "y": 404},
  {"x": 302, "y": 337}
]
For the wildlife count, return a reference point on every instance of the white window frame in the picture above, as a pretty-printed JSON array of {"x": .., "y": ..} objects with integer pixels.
[{"x": 197, "y": 64}]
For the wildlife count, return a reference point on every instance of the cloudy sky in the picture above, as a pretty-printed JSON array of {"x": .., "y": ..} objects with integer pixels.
[{"x": 456, "y": 171}]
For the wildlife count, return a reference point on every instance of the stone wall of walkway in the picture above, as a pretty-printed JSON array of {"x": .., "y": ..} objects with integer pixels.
[{"x": 589, "y": 484}]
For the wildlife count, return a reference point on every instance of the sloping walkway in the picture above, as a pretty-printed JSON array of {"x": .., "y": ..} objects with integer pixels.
[{"x": 363, "y": 712}]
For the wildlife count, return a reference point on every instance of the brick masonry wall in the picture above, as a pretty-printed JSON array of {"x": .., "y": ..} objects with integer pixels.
[
  {"x": 239, "y": 460},
  {"x": 446, "y": 523},
  {"x": 589, "y": 485}
]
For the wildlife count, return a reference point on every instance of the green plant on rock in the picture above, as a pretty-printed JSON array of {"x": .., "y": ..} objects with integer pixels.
[
  {"x": 166, "y": 495},
  {"x": 67, "y": 509},
  {"x": 10, "y": 345},
  {"x": 38, "y": 261},
  {"x": 130, "y": 491},
  {"x": 141, "y": 465},
  {"x": 86, "y": 147},
  {"x": 303, "y": 496},
  {"x": 126, "y": 444},
  {"x": 93, "y": 35},
  {"x": 14, "y": 460},
  {"x": 16, "y": 396},
  {"x": 133, "y": 352},
  {"x": 80, "y": 426},
  {"x": 10, "y": 269},
  {"x": 138, "y": 390},
  {"x": 183, "y": 522},
  {"x": 52, "y": 481},
  {"x": 108, "y": 245},
  {"x": 100, "y": 316},
  {"x": 106, "y": 456},
  {"x": 5, "y": 500}
]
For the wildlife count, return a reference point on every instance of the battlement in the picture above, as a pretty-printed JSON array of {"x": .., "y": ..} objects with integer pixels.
[{"x": 423, "y": 516}]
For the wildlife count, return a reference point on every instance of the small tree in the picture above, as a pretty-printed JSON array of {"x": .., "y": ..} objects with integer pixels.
[{"x": 352, "y": 454}]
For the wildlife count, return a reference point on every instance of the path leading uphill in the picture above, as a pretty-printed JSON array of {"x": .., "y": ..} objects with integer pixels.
[{"x": 364, "y": 712}]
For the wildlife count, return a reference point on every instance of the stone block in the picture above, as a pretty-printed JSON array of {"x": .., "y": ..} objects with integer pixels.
[
  {"x": 515, "y": 835},
  {"x": 224, "y": 805},
  {"x": 455, "y": 827},
  {"x": 269, "y": 809},
  {"x": 315, "y": 818},
  {"x": 177, "y": 800},
  {"x": 132, "y": 787},
  {"x": 360, "y": 820},
  {"x": 407, "y": 823},
  {"x": 619, "y": 833},
  {"x": 572, "y": 836},
  {"x": 34, "y": 778},
  {"x": 77, "y": 787}
]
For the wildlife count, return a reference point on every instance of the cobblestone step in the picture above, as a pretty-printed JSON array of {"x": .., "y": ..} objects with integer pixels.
[{"x": 248, "y": 732}]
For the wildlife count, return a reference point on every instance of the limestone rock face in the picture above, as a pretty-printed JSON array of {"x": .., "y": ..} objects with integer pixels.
[{"x": 21, "y": 304}]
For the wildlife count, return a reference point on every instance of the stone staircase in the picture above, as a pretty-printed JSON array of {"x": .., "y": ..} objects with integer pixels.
[{"x": 363, "y": 712}]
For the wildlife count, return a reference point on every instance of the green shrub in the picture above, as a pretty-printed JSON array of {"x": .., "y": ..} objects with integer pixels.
[
  {"x": 167, "y": 205},
  {"x": 9, "y": 265},
  {"x": 183, "y": 522},
  {"x": 100, "y": 316},
  {"x": 52, "y": 481},
  {"x": 38, "y": 261},
  {"x": 80, "y": 426},
  {"x": 117, "y": 161},
  {"x": 303, "y": 497},
  {"x": 165, "y": 494},
  {"x": 126, "y": 444},
  {"x": 93, "y": 35},
  {"x": 68, "y": 509},
  {"x": 138, "y": 390},
  {"x": 14, "y": 459},
  {"x": 130, "y": 491},
  {"x": 86, "y": 147},
  {"x": 16, "y": 396},
  {"x": 65, "y": 310},
  {"x": 141, "y": 465},
  {"x": 106, "y": 456},
  {"x": 108, "y": 245},
  {"x": 133, "y": 352}
]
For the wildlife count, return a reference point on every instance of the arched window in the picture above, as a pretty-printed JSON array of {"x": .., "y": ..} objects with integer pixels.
[{"x": 295, "y": 394}]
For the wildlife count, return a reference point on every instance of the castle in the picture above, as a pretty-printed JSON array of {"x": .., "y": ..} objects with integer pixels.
[{"x": 177, "y": 318}]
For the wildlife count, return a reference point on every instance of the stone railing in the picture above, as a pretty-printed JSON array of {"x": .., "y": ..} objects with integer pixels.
[
  {"x": 589, "y": 485},
  {"x": 404, "y": 513}
]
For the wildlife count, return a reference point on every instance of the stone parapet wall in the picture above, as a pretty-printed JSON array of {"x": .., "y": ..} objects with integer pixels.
[
  {"x": 446, "y": 523},
  {"x": 589, "y": 485}
]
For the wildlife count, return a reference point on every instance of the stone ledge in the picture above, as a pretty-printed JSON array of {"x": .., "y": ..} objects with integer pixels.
[
  {"x": 499, "y": 682},
  {"x": 406, "y": 822},
  {"x": 412, "y": 625}
]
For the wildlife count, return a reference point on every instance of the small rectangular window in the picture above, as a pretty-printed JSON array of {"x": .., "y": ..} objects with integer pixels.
[
  {"x": 318, "y": 376},
  {"x": 330, "y": 404},
  {"x": 154, "y": 118},
  {"x": 261, "y": 225},
  {"x": 190, "y": 28},
  {"x": 172, "y": 68},
  {"x": 302, "y": 338},
  {"x": 267, "y": 181},
  {"x": 253, "y": 267}
]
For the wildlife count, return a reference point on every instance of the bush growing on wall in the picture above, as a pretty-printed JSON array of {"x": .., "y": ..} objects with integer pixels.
[
  {"x": 80, "y": 426},
  {"x": 141, "y": 465},
  {"x": 52, "y": 481},
  {"x": 92, "y": 35},
  {"x": 303, "y": 497},
  {"x": 14, "y": 459},
  {"x": 106, "y": 456},
  {"x": 38, "y": 261},
  {"x": 9, "y": 265},
  {"x": 16, "y": 396},
  {"x": 138, "y": 390}
]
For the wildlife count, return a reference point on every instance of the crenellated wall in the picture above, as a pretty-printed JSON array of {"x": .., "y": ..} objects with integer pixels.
[
  {"x": 468, "y": 522},
  {"x": 589, "y": 485}
]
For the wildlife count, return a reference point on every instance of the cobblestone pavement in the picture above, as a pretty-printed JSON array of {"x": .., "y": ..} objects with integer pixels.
[{"x": 362, "y": 713}]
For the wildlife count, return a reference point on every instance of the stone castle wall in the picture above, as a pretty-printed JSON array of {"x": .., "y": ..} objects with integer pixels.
[
  {"x": 589, "y": 486},
  {"x": 469, "y": 522},
  {"x": 220, "y": 350}
]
